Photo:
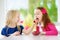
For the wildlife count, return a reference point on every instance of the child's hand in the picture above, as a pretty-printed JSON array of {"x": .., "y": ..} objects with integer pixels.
[
  {"x": 36, "y": 21},
  {"x": 16, "y": 33},
  {"x": 34, "y": 25},
  {"x": 42, "y": 33}
]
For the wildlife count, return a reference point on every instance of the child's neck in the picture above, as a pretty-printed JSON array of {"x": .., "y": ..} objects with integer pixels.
[{"x": 12, "y": 25}]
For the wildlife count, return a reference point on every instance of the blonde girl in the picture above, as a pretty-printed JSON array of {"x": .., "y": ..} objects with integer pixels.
[{"x": 12, "y": 25}]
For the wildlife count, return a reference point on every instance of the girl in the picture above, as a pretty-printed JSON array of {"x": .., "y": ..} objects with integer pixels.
[
  {"x": 43, "y": 24},
  {"x": 12, "y": 25}
]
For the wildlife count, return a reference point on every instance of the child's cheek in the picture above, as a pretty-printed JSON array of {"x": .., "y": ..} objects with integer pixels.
[
  {"x": 16, "y": 20},
  {"x": 39, "y": 16}
]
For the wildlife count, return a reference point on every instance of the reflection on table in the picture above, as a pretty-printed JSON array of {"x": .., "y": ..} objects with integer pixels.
[{"x": 32, "y": 37}]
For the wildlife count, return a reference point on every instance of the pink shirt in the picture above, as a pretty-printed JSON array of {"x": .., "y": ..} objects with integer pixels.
[{"x": 50, "y": 29}]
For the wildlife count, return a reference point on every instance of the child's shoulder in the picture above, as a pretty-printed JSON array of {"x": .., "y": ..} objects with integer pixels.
[
  {"x": 51, "y": 24},
  {"x": 4, "y": 28},
  {"x": 3, "y": 32}
]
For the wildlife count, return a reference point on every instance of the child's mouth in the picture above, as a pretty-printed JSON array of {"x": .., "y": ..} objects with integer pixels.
[{"x": 37, "y": 18}]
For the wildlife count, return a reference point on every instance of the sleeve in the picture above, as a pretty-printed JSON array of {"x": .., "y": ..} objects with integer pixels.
[
  {"x": 3, "y": 32},
  {"x": 53, "y": 30},
  {"x": 21, "y": 29}
]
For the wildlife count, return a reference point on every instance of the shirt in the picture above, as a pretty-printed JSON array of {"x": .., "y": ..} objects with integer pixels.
[{"x": 6, "y": 31}]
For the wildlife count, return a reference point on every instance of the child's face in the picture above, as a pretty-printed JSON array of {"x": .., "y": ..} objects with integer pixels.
[
  {"x": 38, "y": 14},
  {"x": 17, "y": 18}
]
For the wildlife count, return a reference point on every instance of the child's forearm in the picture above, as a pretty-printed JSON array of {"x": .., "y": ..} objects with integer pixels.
[
  {"x": 42, "y": 33},
  {"x": 29, "y": 30},
  {"x": 51, "y": 33}
]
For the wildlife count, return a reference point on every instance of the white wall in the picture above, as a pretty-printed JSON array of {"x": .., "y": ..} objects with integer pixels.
[
  {"x": 58, "y": 5},
  {"x": 58, "y": 22},
  {"x": 2, "y": 14}
]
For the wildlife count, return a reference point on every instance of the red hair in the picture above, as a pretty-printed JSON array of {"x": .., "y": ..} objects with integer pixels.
[{"x": 45, "y": 17}]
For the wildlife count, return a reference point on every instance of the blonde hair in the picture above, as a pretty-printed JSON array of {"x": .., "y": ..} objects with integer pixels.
[{"x": 10, "y": 16}]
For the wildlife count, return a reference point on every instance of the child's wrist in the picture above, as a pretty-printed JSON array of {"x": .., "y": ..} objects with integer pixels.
[{"x": 42, "y": 33}]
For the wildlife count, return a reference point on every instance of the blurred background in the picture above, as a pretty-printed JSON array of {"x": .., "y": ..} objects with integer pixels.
[{"x": 26, "y": 8}]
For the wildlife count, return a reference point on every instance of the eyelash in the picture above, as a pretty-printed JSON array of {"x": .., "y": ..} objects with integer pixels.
[{"x": 36, "y": 14}]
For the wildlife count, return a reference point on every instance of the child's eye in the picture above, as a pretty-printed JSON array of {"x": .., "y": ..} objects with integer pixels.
[{"x": 37, "y": 14}]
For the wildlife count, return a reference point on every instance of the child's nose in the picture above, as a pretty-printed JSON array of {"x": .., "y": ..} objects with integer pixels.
[{"x": 36, "y": 16}]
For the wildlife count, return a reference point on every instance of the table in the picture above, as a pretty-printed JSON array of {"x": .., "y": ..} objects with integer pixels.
[{"x": 32, "y": 37}]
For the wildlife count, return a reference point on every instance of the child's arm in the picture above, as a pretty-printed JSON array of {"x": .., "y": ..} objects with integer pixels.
[
  {"x": 28, "y": 31},
  {"x": 52, "y": 31},
  {"x": 15, "y": 33},
  {"x": 3, "y": 32}
]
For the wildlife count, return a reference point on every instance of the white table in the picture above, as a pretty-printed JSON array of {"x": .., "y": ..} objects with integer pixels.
[{"x": 31, "y": 37}]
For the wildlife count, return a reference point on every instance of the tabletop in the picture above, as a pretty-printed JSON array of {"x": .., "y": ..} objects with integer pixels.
[{"x": 32, "y": 37}]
